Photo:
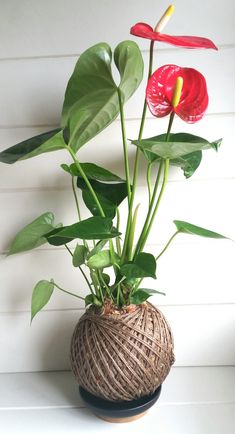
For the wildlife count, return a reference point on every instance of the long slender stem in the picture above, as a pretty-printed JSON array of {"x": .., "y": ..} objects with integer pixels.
[
  {"x": 68, "y": 292},
  {"x": 124, "y": 141},
  {"x": 167, "y": 245},
  {"x": 136, "y": 165},
  {"x": 76, "y": 199},
  {"x": 156, "y": 206},
  {"x": 80, "y": 268},
  {"x": 118, "y": 244},
  {"x": 148, "y": 216},
  {"x": 149, "y": 181},
  {"x": 89, "y": 186}
]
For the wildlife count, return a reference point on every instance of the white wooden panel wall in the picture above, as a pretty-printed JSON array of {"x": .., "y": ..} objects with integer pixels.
[{"x": 40, "y": 44}]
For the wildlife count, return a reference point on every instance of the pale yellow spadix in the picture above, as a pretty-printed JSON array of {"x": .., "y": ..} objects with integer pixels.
[
  {"x": 164, "y": 19},
  {"x": 177, "y": 91}
]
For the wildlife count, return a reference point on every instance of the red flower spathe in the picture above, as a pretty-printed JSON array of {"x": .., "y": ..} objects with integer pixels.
[
  {"x": 193, "y": 100},
  {"x": 143, "y": 30}
]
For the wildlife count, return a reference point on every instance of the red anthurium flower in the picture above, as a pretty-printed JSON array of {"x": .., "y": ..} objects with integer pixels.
[
  {"x": 193, "y": 100},
  {"x": 143, "y": 30}
]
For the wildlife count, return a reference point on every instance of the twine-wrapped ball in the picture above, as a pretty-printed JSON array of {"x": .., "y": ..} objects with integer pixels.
[{"x": 122, "y": 356}]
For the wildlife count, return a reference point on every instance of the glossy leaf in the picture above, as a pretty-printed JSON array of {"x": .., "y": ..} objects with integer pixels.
[
  {"x": 79, "y": 255},
  {"x": 102, "y": 259},
  {"x": 46, "y": 142},
  {"x": 41, "y": 295},
  {"x": 143, "y": 266},
  {"x": 32, "y": 235},
  {"x": 94, "y": 228},
  {"x": 188, "y": 228},
  {"x": 179, "y": 144},
  {"x": 91, "y": 99},
  {"x": 144, "y": 30},
  {"x": 189, "y": 163},
  {"x": 141, "y": 295}
]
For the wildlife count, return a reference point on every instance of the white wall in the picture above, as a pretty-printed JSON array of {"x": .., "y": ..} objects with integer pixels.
[{"x": 40, "y": 44}]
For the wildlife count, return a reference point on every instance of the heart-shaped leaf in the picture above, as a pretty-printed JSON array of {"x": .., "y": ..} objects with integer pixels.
[
  {"x": 102, "y": 259},
  {"x": 92, "y": 171},
  {"x": 91, "y": 99},
  {"x": 46, "y": 142},
  {"x": 32, "y": 235},
  {"x": 142, "y": 294},
  {"x": 94, "y": 228},
  {"x": 143, "y": 266},
  {"x": 188, "y": 228},
  {"x": 178, "y": 145},
  {"x": 41, "y": 295},
  {"x": 79, "y": 255},
  {"x": 98, "y": 247}
]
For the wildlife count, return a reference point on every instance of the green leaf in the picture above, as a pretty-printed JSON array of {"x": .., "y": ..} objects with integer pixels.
[
  {"x": 92, "y": 299},
  {"x": 178, "y": 145},
  {"x": 98, "y": 247},
  {"x": 129, "y": 62},
  {"x": 143, "y": 266},
  {"x": 188, "y": 163},
  {"x": 102, "y": 259},
  {"x": 32, "y": 235},
  {"x": 41, "y": 295},
  {"x": 79, "y": 255},
  {"x": 46, "y": 142},
  {"x": 109, "y": 195},
  {"x": 93, "y": 228},
  {"x": 91, "y": 99},
  {"x": 188, "y": 228},
  {"x": 142, "y": 294},
  {"x": 92, "y": 171}
]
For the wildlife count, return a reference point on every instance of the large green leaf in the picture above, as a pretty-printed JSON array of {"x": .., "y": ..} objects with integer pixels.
[
  {"x": 46, "y": 142},
  {"x": 41, "y": 295},
  {"x": 94, "y": 228},
  {"x": 91, "y": 99},
  {"x": 188, "y": 228},
  {"x": 143, "y": 266},
  {"x": 178, "y": 145},
  {"x": 32, "y": 235},
  {"x": 110, "y": 196}
]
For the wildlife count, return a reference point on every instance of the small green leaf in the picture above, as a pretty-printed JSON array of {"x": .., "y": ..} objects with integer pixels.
[
  {"x": 188, "y": 163},
  {"x": 32, "y": 235},
  {"x": 178, "y": 145},
  {"x": 99, "y": 173},
  {"x": 188, "y": 228},
  {"x": 151, "y": 291},
  {"x": 92, "y": 299},
  {"x": 143, "y": 266},
  {"x": 101, "y": 260},
  {"x": 93, "y": 228},
  {"x": 41, "y": 295},
  {"x": 106, "y": 278},
  {"x": 79, "y": 255},
  {"x": 46, "y": 142},
  {"x": 139, "y": 296}
]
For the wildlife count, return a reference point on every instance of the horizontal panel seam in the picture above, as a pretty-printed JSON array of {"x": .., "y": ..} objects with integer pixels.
[{"x": 75, "y": 55}]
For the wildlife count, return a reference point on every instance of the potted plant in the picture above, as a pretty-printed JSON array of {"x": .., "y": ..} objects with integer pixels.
[{"x": 122, "y": 347}]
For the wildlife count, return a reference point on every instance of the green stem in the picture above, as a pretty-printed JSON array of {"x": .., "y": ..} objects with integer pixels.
[
  {"x": 68, "y": 292},
  {"x": 167, "y": 245},
  {"x": 106, "y": 286},
  {"x": 167, "y": 162},
  {"x": 137, "y": 157},
  {"x": 118, "y": 244},
  {"x": 124, "y": 141},
  {"x": 149, "y": 180},
  {"x": 147, "y": 219},
  {"x": 76, "y": 199},
  {"x": 89, "y": 186},
  {"x": 80, "y": 268}
]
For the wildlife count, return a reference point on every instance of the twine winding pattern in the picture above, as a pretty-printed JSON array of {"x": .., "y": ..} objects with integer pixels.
[{"x": 122, "y": 357}]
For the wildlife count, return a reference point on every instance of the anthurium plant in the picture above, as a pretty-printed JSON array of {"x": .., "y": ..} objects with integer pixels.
[{"x": 92, "y": 101}]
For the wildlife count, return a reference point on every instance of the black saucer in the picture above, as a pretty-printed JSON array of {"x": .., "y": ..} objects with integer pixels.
[{"x": 118, "y": 411}]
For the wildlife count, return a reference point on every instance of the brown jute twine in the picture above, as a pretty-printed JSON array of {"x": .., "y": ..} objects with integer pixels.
[{"x": 122, "y": 356}]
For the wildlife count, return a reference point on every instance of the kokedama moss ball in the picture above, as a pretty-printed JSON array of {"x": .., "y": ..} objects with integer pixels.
[{"x": 122, "y": 356}]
